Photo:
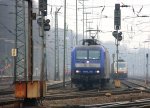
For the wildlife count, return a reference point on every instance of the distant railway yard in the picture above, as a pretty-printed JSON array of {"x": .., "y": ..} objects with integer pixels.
[{"x": 130, "y": 91}]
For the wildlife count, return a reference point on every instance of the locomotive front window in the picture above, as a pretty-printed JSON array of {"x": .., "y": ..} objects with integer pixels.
[
  {"x": 94, "y": 54},
  {"x": 81, "y": 54},
  {"x": 121, "y": 65}
]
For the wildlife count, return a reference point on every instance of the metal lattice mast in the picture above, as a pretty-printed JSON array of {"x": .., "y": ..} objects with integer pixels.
[
  {"x": 56, "y": 77},
  {"x": 20, "y": 43}
]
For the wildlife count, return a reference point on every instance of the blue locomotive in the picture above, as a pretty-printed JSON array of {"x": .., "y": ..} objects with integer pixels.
[{"x": 90, "y": 65}]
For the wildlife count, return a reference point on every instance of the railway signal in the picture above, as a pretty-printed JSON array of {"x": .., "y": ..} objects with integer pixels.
[
  {"x": 43, "y": 7},
  {"x": 115, "y": 34},
  {"x": 117, "y": 17},
  {"x": 46, "y": 25},
  {"x": 39, "y": 21}
]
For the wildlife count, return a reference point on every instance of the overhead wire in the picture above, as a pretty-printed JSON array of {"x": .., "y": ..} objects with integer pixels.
[{"x": 87, "y": 7}]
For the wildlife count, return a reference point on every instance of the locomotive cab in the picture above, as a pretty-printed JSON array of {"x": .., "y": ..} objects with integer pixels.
[
  {"x": 89, "y": 65},
  {"x": 122, "y": 72}
]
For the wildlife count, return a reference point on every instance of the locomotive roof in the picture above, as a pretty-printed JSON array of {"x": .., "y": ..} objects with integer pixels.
[
  {"x": 86, "y": 47},
  {"x": 120, "y": 60},
  {"x": 90, "y": 42},
  {"x": 90, "y": 46}
]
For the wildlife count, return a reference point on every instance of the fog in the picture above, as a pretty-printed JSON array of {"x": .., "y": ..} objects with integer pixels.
[{"x": 136, "y": 57}]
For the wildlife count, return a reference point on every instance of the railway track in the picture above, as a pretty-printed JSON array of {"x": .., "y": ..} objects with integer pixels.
[
  {"x": 74, "y": 98},
  {"x": 56, "y": 92},
  {"x": 6, "y": 91},
  {"x": 8, "y": 98},
  {"x": 59, "y": 94},
  {"x": 83, "y": 94},
  {"x": 142, "y": 103},
  {"x": 128, "y": 84},
  {"x": 133, "y": 85},
  {"x": 7, "y": 95},
  {"x": 92, "y": 98},
  {"x": 58, "y": 85}
]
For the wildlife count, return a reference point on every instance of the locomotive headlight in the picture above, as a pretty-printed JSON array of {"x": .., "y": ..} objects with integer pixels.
[
  {"x": 97, "y": 71},
  {"x": 87, "y": 61},
  {"x": 77, "y": 71}
]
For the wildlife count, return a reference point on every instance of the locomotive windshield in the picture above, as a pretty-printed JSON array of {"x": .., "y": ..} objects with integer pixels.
[
  {"x": 121, "y": 65},
  {"x": 81, "y": 54},
  {"x": 94, "y": 54},
  {"x": 85, "y": 54}
]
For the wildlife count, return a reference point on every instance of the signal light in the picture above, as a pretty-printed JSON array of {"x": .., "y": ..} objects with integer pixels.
[
  {"x": 115, "y": 33},
  {"x": 117, "y": 17}
]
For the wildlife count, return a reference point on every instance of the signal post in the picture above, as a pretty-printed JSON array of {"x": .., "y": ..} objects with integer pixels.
[{"x": 117, "y": 35}]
